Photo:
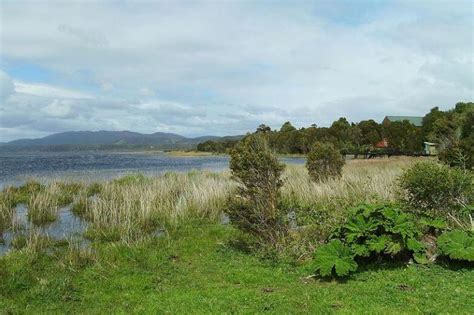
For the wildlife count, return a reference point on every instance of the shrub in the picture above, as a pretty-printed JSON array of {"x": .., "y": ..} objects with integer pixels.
[
  {"x": 255, "y": 208},
  {"x": 454, "y": 156},
  {"x": 436, "y": 189},
  {"x": 324, "y": 161},
  {"x": 457, "y": 244}
]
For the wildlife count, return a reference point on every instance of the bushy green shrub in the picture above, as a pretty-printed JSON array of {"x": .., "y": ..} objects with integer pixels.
[
  {"x": 454, "y": 156},
  {"x": 435, "y": 189},
  {"x": 255, "y": 208},
  {"x": 457, "y": 245},
  {"x": 324, "y": 161},
  {"x": 371, "y": 232}
]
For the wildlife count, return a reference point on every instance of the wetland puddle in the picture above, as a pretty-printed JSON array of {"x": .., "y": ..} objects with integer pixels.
[{"x": 66, "y": 227}]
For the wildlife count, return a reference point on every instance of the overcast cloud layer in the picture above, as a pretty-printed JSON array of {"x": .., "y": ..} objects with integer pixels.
[{"x": 222, "y": 68}]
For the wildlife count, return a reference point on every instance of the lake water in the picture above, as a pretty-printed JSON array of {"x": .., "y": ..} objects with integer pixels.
[{"x": 16, "y": 168}]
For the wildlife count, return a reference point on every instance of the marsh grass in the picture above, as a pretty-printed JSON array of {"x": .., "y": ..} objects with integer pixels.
[
  {"x": 362, "y": 181},
  {"x": 43, "y": 206},
  {"x": 134, "y": 207},
  {"x": 11, "y": 196},
  {"x": 7, "y": 205},
  {"x": 32, "y": 243}
]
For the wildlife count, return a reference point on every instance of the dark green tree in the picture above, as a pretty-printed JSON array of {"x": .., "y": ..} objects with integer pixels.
[
  {"x": 324, "y": 161},
  {"x": 257, "y": 170},
  {"x": 371, "y": 132},
  {"x": 287, "y": 127},
  {"x": 264, "y": 128},
  {"x": 403, "y": 136}
]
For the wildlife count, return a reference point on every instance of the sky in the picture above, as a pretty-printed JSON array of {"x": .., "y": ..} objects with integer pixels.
[{"x": 224, "y": 67}]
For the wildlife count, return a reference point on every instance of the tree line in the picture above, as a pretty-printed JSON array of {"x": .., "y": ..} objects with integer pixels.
[{"x": 451, "y": 129}]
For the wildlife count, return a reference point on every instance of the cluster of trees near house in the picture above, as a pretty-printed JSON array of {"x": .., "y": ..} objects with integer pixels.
[{"x": 452, "y": 130}]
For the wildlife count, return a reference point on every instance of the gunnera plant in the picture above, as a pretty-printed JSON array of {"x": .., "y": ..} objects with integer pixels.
[
  {"x": 255, "y": 209},
  {"x": 324, "y": 161},
  {"x": 371, "y": 233},
  {"x": 457, "y": 245}
]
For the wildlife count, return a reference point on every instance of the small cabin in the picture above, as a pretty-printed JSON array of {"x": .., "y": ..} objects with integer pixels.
[{"x": 430, "y": 148}]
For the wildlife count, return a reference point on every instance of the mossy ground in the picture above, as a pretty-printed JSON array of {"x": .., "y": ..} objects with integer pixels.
[{"x": 195, "y": 270}]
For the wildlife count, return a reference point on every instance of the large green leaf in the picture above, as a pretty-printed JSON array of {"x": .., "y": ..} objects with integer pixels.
[
  {"x": 393, "y": 248},
  {"x": 399, "y": 223},
  {"x": 415, "y": 245},
  {"x": 457, "y": 244},
  {"x": 334, "y": 255},
  {"x": 436, "y": 223},
  {"x": 359, "y": 226},
  {"x": 360, "y": 250},
  {"x": 378, "y": 243}
]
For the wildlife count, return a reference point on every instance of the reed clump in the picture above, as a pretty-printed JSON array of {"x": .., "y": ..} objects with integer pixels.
[
  {"x": 134, "y": 206},
  {"x": 11, "y": 196},
  {"x": 43, "y": 205},
  {"x": 32, "y": 243},
  {"x": 7, "y": 205}
]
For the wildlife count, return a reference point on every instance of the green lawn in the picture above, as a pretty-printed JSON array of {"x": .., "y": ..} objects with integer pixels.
[{"x": 195, "y": 271}]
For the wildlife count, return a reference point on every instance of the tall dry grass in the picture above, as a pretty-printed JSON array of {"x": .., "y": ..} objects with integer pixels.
[
  {"x": 131, "y": 207},
  {"x": 43, "y": 205},
  {"x": 7, "y": 205},
  {"x": 362, "y": 180}
]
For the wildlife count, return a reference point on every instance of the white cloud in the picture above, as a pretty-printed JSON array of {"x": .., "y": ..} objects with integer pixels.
[
  {"x": 58, "y": 109},
  {"x": 47, "y": 90},
  {"x": 224, "y": 67},
  {"x": 6, "y": 86}
]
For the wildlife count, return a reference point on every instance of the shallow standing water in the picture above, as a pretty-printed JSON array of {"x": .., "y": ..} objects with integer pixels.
[{"x": 66, "y": 226}]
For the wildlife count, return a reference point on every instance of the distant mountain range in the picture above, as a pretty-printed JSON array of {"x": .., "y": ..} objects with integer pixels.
[{"x": 113, "y": 138}]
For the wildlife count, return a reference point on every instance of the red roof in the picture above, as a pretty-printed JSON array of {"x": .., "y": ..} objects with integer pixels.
[{"x": 382, "y": 144}]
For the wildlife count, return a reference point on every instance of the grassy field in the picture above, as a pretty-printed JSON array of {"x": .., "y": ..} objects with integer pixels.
[
  {"x": 196, "y": 270},
  {"x": 198, "y": 265}
]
